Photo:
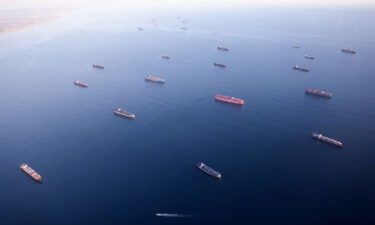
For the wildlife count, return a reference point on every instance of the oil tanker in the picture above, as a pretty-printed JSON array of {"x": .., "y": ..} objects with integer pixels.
[
  {"x": 80, "y": 83},
  {"x": 322, "y": 138},
  {"x": 154, "y": 79},
  {"x": 98, "y": 66},
  {"x": 300, "y": 68},
  {"x": 228, "y": 99},
  {"x": 349, "y": 50},
  {"x": 222, "y": 48},
  {"x": 209, "y": 170},
  {"x": 123, "y": 113},
  {"x": 29, "y": 171},
  {"x": 318, "y": 93},
  {"x": 220, "y": 64}
]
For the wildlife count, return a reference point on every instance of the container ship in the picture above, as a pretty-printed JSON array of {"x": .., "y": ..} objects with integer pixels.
[
  {"x": 220, "y": 64},
  {"x": 154, "y": 79},
  {"x": 318, "y": 93},
  {"x": 29, "y": 171},
  {"x": 98, "y": 66},
  {"x": 81, "y": 84},
  {"x": 327, "y": 140},
  {"x": 123, "y": 113},
  {"x": 209, "y": 170},
  {"x": 222, "y": 48},
  {"x": 349, "y": 50},
  {"x": 228, "y": 99},
  {"x": 309, "y": 57},
  {"x": 300, "y": 68},
  {"x": 165, "y": 57}
]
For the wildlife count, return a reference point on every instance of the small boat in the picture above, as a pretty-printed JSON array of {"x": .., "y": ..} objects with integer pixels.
[
  {"x": 349, "y": 50},
  {"x": 309, "y": 57},
  {"x": 81, "y": 84},
  {"x": 123, "y": 113},
  {"x": 172, "y": 215},
  {"x": 218, "y": 64},
  {"x": 228, "y": 99},
  {"x": 165, "y": 57},
  {"x": 154, "y": 79},
  {"x": 98, "y": 66},
  {"x": 222, "y": 48},
  {"x": 209, "y": 170},
  {"x": 328, "y": 140},
  {"x": 300, "y": 68},
  {"x": 296, "y": 46},
  {"x": 29, "y": 171},
  {"x": 140, "y": 29},
  {"x": 318, "y": 93},
  {"x": 183, "y": 28}
]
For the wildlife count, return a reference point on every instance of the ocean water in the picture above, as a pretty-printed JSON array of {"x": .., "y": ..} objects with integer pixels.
[{"x": 102, "y": 169}]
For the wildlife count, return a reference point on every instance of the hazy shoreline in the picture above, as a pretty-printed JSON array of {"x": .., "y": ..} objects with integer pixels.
[{"x": 16, "y": 20}]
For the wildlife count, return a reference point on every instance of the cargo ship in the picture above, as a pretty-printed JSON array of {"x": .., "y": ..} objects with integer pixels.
[
  {"x": 154, "y": 79},
  {"x": 349, "y": 50},
  {"x": 29, "y": 171},
  {"x": 209, "y": 170},
  {"x": 322, "y": 138},
  {"x": 222, "y": 48},
  {"x": 98, "y": 66},
  {"x": 220, "y": 64},
  {"x": 123, "y": 113},
  {"x": 81, "y": 84},
  {"x": 295, "y": 46},
  {"x": 300, "y": 68},
  {"x": 318, "y": 93},
  {"x": 228, "y": 99},
  {"x": 165, "y": 57},
  {"x": 309, "y": 57}
]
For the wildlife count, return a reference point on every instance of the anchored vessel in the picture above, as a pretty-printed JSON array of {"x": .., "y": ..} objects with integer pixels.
[
  {"x": 219, "y": 64},
  {"x": 98, "y": 66},
  {"x": 349, "y": 50},
  {"x": 29, "y": 171},
  {"x": 228, "y": 99},
  {"x": 80, "y": 83},
  {"x": 123, "y": 113},
  {"x": 165, "y": 57},
  {"x": 318, "y": 93},
  {"x": 209, "y": 170},
  {"x": 154, "y": 79},
  {"x": 222, "y": 48},
  {"x": 300, "y": 68},
  {"x": 309, "y": 57},
  {"x": 322, "y": 138}
]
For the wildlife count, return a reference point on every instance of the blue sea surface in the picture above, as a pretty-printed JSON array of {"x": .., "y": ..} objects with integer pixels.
[{"x": 99, "y": 168}]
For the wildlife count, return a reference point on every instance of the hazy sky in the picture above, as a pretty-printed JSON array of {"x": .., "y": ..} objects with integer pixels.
[{"x": 67, "y": 3}]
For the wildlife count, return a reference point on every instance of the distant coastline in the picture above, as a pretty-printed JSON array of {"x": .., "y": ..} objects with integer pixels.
[{"x": 16, "y": 20}]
